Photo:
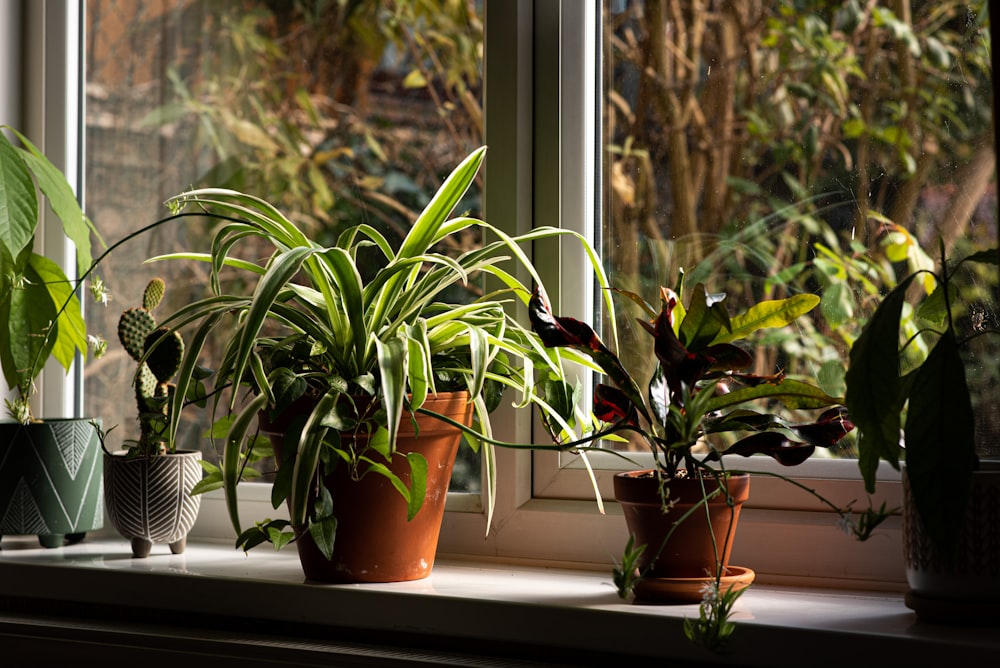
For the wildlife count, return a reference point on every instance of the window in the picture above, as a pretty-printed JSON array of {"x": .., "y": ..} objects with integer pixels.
[
  {"x": 541, "y": 106},
  {"x": 337, "y": 114}
]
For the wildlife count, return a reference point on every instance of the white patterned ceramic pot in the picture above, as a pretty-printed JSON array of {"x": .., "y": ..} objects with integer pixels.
[
  {"x": 51, "y": 480},
  {"x": 149, "y": 499},
  {"x": 966, "y": 588}
]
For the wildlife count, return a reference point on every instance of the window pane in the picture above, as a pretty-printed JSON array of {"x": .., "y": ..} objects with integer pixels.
[
  {"x": 338, "y": 113},
  {"x": 772, "y": 148}
]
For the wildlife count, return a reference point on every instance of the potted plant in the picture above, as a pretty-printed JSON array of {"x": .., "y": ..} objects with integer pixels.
[
  {"x": 682, "y": 512},
  {"x": 50, "y": 468},
  {"x": 908, "y": 395},
  {"x": 148, "y": 485},
  {"x": 343, "y": 366}
]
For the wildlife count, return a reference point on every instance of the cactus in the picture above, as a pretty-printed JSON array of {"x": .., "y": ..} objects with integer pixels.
[{"x": 159, "y": 352}]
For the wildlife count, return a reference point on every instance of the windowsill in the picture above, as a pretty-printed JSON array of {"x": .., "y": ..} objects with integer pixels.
[{"x": 212, "y": 593}]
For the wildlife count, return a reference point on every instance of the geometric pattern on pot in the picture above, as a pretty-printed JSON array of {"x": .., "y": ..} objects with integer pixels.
[
  {"x": 977, "y": 552},
  {"x": 71, "y": 436},
  {"x": 149, "y": 500},
  {"x": 51, "y": 479},
  {"x": 22, "y": 514}
]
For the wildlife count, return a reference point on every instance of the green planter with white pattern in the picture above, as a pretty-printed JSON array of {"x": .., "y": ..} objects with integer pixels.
[{"x": 51, "y": 480}]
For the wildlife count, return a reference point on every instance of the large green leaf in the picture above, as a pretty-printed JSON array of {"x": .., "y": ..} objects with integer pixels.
[
  {"x": 62, "y": 200},
  {"x": 425, "y": 229},
  {"x": 232, "y": 456},
  {"x": 70, "y": 334},
  {"x": 418, "y": 483},
  {"x": 766, "y": 314},
  {"x": 792, "y": 393},
  {"x": 18, "y": 201},
  {"x": 28, "y": 313},
  {"x": 874, "y": 397},
  {"x": 419, "y": 372},
  {"x": 345, "y": 309},
  {"x": 283, "y": 267},
  {"x": 940, "y": 444},
  {"x": 392, "y": 367},
  {"x": 307, "y": 459},
  {"x": 705, "y": 321}
]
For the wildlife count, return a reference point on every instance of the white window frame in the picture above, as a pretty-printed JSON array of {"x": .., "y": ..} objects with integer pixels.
[
  {"x": 40, "y": 95},
  {"x": 537, "y": 167}
]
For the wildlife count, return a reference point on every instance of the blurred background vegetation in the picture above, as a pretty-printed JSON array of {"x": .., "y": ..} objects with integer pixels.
[{"x": 826, "y": 146}]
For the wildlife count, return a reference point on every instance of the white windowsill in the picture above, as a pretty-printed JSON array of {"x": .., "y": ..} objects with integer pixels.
[{"x": 562, "y": 614}]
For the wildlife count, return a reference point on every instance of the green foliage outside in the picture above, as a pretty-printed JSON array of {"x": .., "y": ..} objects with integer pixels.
[{"x": 767, "y": 148}]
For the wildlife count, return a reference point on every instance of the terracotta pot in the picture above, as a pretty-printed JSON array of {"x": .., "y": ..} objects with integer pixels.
[
  {"x": 689, "y": 552},
  {"x": 149, "y": 499},
  {"x": 374, "y": 541},
  {"x": 964, "y": 590},
  {"x": 51, "y": 480}
]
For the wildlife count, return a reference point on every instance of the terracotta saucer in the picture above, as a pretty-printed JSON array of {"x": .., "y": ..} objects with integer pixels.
[{"x": 689, "y": 590}]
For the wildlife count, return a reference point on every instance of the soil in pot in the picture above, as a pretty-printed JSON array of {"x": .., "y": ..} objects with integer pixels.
[
  {"x": 689, "y": 557},
  {"x": 374, "y": 541}
]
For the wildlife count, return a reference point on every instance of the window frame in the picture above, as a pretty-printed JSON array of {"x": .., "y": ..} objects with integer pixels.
[
  {"x": 545, "y": 509},
  {"x": 44, "y": 82}
]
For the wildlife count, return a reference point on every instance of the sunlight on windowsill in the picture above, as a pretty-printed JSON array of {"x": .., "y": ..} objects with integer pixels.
[{"x": 559, "y": 609}]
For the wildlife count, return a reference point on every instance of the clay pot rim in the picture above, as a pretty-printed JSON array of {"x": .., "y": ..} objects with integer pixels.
[
  {"x": 634, "y": 486},
  {"x": 649, "y": 473},
  {"x": 461, "y": 397}
]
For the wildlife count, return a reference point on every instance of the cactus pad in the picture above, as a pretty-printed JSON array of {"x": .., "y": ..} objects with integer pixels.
[
  {"x": 163, "y": 351},
  {"x": 165, "y": 359},
  {"x": 134, "y": 326},
  {"x": 153, "y": 293}
]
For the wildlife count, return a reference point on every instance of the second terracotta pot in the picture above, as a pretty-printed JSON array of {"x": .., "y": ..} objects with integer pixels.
[
  {"x": 689, "y": 552},
  {"x": 374, "y": 541}
]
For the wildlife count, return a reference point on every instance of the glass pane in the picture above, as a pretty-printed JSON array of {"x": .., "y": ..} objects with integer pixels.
[
  {"x": 773, "y": 148},
  {"x": 338, "y": 113}
]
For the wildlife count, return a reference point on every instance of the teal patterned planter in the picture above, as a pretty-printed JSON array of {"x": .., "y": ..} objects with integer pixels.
[
  {"x": 149, "y": 499},
  {"x": 51, "y": 480}
]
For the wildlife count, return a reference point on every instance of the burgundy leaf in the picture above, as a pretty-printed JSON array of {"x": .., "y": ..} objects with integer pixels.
[
  {"x": 753, "y": 380},
  {"x": 774, "y": 444},
  {"x": 728, "y": 357},
  {"x": 827, "y": 431},
  {"x": 556, "y": 331},
  {"x": 613, "y": 405},
  {"x": 678, "y": 364}
]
